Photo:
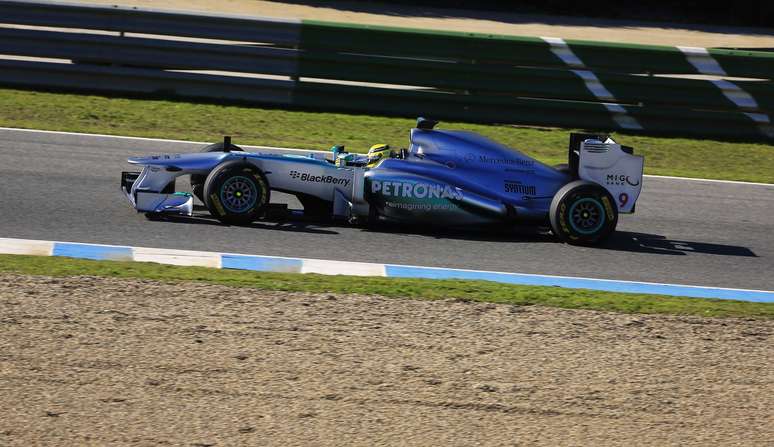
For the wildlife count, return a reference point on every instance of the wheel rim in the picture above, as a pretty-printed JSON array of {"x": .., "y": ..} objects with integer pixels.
[
  {"x": 238, "y": 194},
  {"x": 587, "y": 216}
]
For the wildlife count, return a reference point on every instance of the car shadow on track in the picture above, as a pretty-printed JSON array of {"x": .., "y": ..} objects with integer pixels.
[
  {"x": 275, "y": 225},
  {"x": 320, "y": 225},
  {"x": 619, "y": 241},
  {"x": 657, "y": 244},
  {"x": 483, "y": 234}
]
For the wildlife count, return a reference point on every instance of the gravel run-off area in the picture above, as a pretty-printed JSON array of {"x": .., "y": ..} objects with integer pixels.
[{"x": 96, "y": 361}]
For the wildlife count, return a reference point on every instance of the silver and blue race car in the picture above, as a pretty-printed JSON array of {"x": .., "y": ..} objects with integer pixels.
[{"x": 445, "y": 177}]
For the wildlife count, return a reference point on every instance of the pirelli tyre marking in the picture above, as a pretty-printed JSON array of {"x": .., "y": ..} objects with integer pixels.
[
  {"x": 608, "y": 208},
  {"x": 218, "y": 206},
  {"x": 264, "y": 189},
  {"x": 563, "y": 221}
]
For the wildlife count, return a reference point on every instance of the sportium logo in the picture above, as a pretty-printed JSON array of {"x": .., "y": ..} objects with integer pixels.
[
  {"x": 415, "y": 190},
  {"x": 517, "y": 187},
  {"x": 307, "y": 177}
]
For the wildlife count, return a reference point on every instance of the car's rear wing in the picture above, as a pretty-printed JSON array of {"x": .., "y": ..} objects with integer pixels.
[{"x": 599, "y": 159}]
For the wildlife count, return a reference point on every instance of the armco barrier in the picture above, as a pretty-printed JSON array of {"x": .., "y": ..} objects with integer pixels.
[
  {"x": 531, "y": 51},
  {"x": 149, "y": 21},
  {"x": 450, "y": 75}
]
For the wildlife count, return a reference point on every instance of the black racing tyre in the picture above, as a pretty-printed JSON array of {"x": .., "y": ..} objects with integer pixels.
[
  {"x": 236, "y": 192},
  {"x": 583, "y": 213},
  {"x": 197, "y": 180}
]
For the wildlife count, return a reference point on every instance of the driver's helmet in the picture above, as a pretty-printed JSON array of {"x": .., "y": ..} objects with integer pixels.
[{"x": 377, "y": 153}]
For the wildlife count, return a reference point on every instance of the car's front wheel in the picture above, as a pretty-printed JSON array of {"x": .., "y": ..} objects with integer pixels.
[
  {"x": 197, "y": 180},
  {"x": 583, "y": 213},
  {"x": 236, "y": 193}
]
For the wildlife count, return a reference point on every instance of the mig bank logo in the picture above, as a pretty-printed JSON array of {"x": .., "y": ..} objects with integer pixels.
[
  {"x": 620, "y": 180},
  {"x": 307, "y": 177}
]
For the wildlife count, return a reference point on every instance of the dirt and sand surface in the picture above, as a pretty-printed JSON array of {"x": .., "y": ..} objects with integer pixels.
[
  {"x": 95, "y": 361},
  {"x": 384, "y": 13}
]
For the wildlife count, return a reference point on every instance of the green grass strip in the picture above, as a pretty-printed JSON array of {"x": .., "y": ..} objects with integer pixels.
[
  {"x": 318, "y": 130},
  {"x": 483, "y": 291}
]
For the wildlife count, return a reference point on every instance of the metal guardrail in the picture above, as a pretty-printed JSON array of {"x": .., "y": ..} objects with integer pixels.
[
  {"x": 149, "y": 21},
  {"x": 533, "y": 51},
  {"x": 460, "y": 76}
]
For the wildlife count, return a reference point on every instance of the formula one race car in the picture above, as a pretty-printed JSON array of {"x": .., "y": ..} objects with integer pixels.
[{"x": 445, "y": 177}]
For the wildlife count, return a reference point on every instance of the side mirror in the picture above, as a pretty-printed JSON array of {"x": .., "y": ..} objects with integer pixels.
[{"x": 425, "y": 124}]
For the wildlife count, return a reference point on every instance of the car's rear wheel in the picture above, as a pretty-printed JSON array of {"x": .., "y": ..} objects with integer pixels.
[
  {"x": 583, "y": 213},
  {"x": 197, "y": 180},
  {"x": 236, "y": 192}
]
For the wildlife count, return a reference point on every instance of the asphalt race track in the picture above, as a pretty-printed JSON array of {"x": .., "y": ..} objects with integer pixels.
[{"x": 66, "y": 188}]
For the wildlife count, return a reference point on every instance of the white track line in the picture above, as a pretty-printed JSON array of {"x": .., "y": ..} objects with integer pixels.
[
  {"x": 121, "y": 137},
  {"x": 332, "y": 267},
  {"x": 733, "y": 182},
  {"x": 584, "y": 278}
]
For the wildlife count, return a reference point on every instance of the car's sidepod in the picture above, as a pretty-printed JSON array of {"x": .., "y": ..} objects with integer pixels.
[{"x": 410, "y": 197}]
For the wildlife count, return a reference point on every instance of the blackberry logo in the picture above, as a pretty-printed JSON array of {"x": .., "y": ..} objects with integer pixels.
[{"x": 307, "y": 177}]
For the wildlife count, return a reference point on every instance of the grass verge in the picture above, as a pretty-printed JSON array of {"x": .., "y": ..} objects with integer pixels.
[
  {"x": 483, "y": 291},
  {"x": 317, "y": 130}
]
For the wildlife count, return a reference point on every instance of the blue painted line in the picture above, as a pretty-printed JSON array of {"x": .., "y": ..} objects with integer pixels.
[
  {"x": 607, "y": 285},
  {"x": 295, "y": 265},
  {"x": 88, "y": 251},
  {"x": 261, "y": 263}
]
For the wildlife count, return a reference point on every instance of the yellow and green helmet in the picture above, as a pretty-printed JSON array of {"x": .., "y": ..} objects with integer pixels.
[{"x": 377, "y": 153}]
